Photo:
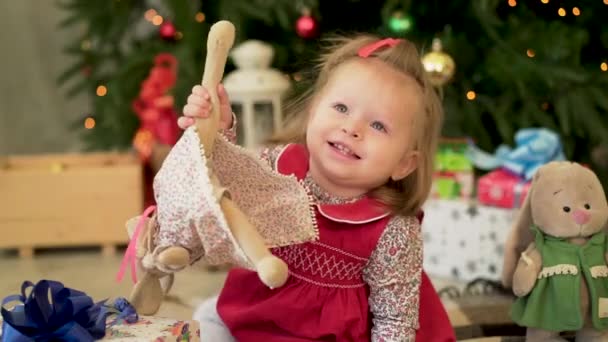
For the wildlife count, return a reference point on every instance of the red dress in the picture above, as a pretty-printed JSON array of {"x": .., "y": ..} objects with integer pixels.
[{"x": 340, "y": 288}]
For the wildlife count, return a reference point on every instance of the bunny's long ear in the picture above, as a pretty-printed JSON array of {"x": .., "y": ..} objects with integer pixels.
[{"x": 519, "y": 237}]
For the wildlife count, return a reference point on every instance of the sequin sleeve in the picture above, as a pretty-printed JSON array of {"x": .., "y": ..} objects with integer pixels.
[
  {"x": 230, "y": 133},
  {"x": 393, "y": 274}
]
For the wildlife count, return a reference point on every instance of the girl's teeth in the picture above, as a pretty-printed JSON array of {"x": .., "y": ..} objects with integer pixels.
[{"x": 344, "y": 149}]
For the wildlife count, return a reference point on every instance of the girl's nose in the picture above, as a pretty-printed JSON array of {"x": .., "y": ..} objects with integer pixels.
[
  {"x": 351, "y": 132},
  {"x": 581, "y": 216},
  {"x": 352, "y": 128}
]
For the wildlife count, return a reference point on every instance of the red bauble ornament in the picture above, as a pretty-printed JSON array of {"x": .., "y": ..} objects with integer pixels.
[
  {"x": 306, "y": 26},
  {"x": 167, "y": 31}
]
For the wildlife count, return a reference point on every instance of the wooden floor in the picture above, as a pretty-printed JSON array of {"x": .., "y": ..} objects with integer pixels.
[{"x": 90, "y": 271}]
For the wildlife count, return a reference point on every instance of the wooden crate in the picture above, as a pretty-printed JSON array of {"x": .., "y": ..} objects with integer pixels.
[{"x": 68, "y": 200}]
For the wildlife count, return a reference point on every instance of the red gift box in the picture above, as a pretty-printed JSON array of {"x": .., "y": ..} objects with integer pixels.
[{"x": 500, "y": 188}]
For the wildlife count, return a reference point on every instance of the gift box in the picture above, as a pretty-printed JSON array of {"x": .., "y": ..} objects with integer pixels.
[
  {"x": 453, "y": 177},
  {"x": 513, "y": 167},
  {"x": 49, "y": 311},
  {"x": 147, "y": 328},
  {"x": 501, "y": 188},
  {"x": 464, "y": 240}
]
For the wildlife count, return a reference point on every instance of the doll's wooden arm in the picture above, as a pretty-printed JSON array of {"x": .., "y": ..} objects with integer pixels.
[
  {"x": 219, "y": 42},
  {"x": 271, "y": 270},
  {"x": 527, "y": 270}
]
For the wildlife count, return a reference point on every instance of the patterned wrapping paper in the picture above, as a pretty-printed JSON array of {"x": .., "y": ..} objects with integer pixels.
[
  {"x": 155, "y": 329},
  {"x": 147, "y": 328},
  {"x": 464, "y": 240}
]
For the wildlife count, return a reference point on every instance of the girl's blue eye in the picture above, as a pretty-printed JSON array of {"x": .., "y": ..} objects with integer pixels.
[
  {"x": 341, "y": 108},
  {"x": 377, "y": 125}
]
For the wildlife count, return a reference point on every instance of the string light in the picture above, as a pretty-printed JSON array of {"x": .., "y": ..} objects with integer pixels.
[
  {"x": 530, "y": 53},
  {"x": 157, "y": 20},
  {"x": 200, "y": 17},
  {"x": 576, "y": 11},
  {"x": 149, "y": 14},
  {"x": 512, "y": 3},
  {"x": 546, "y": 1},
  {"x": 561, "y": 12},
  {"x": 142, "y": 141},
  {"x": 471, "y": 95},
  {"x": 604, "y": 66},
  {"x": 179, "y": 35},
  {"x": 89, "y": 123},
  {"x": 605, "y": 2},
  {"x": 101, "y": 90}
]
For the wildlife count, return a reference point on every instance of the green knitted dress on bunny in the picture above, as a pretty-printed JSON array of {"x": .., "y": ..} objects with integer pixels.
[{"x": 554, "y": 302}]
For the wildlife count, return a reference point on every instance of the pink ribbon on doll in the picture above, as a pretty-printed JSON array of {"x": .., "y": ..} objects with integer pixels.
[
  {"x": 130, "y": 256},
  {"x": 367, "y": 50}
]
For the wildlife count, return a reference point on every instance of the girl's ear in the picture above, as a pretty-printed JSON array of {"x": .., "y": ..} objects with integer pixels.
[{"x": 406, "y": 165}]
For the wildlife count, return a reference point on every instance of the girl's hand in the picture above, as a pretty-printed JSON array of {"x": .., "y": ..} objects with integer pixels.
[{"x": 199, "y": 105}]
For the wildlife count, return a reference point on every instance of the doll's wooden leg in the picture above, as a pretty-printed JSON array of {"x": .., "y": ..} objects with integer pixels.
[
  {"x": 174, "y": 257},
  {"x": 538, "y": 335},
  {"x": 271, "y": 270},
  {"x": 147, "y": 294},
  {"x": 166, "y": 283}
]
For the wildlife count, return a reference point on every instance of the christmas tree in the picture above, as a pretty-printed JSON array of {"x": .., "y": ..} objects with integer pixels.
[{"x": 540, "y": 63}]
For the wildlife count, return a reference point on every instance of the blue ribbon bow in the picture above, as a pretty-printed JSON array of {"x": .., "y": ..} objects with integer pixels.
[
  {"x": 53, "y": 312},
  {"x": 534, "y": 147}
]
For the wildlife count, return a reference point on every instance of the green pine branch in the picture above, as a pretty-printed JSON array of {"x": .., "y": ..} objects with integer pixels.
[{"x": 561, "y": 87}]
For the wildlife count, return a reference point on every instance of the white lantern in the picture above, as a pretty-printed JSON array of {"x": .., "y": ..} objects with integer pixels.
[{"x": 255, "y": 92}]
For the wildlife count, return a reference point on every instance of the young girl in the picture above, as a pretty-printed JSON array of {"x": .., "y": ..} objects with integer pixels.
[{"x": 362, "y": 141}]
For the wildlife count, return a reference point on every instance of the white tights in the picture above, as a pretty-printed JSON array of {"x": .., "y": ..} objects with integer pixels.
[{"x": 212, "y": 327}]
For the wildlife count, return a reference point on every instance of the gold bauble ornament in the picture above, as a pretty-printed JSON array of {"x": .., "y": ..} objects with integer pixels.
[{"x": 439, "y": 65}]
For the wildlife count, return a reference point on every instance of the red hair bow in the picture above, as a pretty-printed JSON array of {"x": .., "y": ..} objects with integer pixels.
[{"x": 367, "y": 50}]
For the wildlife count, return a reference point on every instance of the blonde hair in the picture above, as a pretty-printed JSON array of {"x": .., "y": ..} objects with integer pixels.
[{"x": 406, "y": 196}]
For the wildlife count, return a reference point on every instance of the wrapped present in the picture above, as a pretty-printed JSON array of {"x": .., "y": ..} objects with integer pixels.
[
  {"x": 51, "y": 312},
  {"x": 48, "y": 311},
  {"x": 464, "y": 240},
  {"x": 534, "y": 147},
  {"x": 146, "y": 328},
  {"x": 508, "y": 184},
  {"x": 149, "y": 328},
  {"x": 453, "y": 177},
  {"x": 503, "y": 189}
]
